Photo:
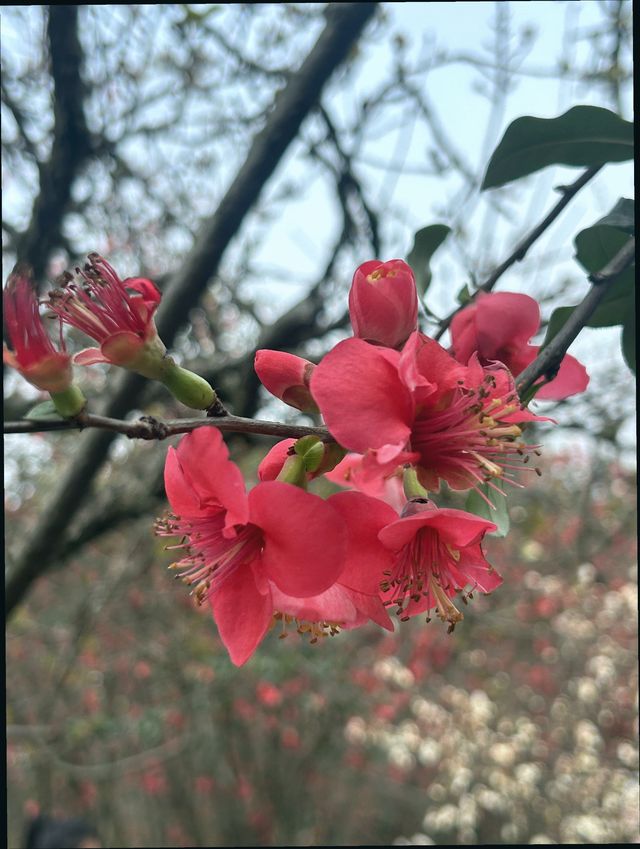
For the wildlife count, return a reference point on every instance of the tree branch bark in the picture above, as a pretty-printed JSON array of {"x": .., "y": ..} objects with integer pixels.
[{"x": 549, "y": 359}]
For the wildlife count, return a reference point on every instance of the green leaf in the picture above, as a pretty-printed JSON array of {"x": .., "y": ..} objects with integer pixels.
[
  {"x": 583, "y": 136},
  {"x": 464, "y": 295},
  {"x": 622, "y": 216},
  {"x": 425, "y": 243},
  {"x": 629, "y": 341},
  {"x": 478, "y": 506},
  {"x": 46, "y": 410}
]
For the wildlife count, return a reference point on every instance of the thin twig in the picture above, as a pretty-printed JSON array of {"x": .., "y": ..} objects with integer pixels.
[
  {"x": 520, "y": 251},
  {"x": 150, "y": 428},
  {"x": 549, "y": 359}
]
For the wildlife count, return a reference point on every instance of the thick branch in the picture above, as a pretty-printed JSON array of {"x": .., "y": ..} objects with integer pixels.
[
  {"x": 549, "y": 359},
  {"x": 521, "y": 249},
  {"x": 151, "y": 428},
  {"x": 345, "y": 22},
  {"x": 71, "y": 142}
]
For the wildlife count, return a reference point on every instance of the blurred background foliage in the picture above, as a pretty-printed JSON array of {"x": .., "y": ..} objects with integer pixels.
[{"x": 123, "y": 128}]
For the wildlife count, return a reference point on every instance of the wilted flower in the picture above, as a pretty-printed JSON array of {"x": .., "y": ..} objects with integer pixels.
[
  {"x": 117, "y": 313},
  {"x": 33, "y": 353}
]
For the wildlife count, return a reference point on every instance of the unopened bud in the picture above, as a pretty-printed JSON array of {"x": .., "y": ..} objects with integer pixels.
[
  {"x": 287, "y": 377},
  {"x": 190, "y": 389},
  {"x": 383, "y": 302}
]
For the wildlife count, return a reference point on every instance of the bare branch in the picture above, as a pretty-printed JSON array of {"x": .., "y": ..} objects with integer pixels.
[
  {"x": 549, "y": 359},
  {"x": 521, "y": 249},
  {"x": 148, "y": 427}
]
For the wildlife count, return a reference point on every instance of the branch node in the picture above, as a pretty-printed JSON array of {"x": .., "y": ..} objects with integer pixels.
[{"x": 155, "y": 429}]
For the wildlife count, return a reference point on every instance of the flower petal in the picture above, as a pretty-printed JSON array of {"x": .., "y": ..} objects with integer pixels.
[
  {"x": 366, "y": 558},
  {"x": 456, "y": 527},
  {"x": 305, "y": 539},
  {"x": 361, "y": 397},
  {"x": 89, "y": 356},
  {"x": 242, "y": 615},
  {"x": 572, "y": 378},
  {"x": 205, "y": 462},
  {"x": 502, "y": 318}
]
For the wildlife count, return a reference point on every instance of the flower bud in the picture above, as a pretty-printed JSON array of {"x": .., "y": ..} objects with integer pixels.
[
  {"x": 383, "y": 302},
  {"x": 287, "y": 377},
  {"x": 190, "y": 389}
]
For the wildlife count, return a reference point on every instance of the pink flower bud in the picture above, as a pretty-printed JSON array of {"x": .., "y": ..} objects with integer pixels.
[
  {"x": 287, "y": 377},
  {"x": 383, "y": 302}
]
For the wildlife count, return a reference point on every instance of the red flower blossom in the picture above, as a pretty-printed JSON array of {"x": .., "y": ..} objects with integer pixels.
[
  {"x": 354, "y": 472},
  {"x": 437, "y": 553},
  {"x": 287, "y": 377},
  {"x": 456, "y": 422},
  {"x": 117, "y": 313},
  {"x": 33, "y": 354},
  {"x": 238, "y": 546},
  {"x": 383, "y": 302},
  {"x": 498, "y": 326}
]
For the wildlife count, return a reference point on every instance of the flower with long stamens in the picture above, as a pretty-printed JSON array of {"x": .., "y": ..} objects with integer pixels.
[
  {"x": 437, "y": 554},
  {"x": 117, "y": 313},
  {"x": 498, "y": 326},
  {"x": 238, "y": 545},
  {"x": 456, "y": 423}
]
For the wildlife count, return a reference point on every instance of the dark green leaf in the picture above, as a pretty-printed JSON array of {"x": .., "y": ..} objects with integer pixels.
[
  {"x": 595, "y": 247},
  {"x": 622, "y": 216},
  {"x": 426, "y": 242},
  {"x": 45, "y": 410},
  {"x": 478, "y": 506},
  {"x": 464, "y": 295},
  {"x": 583, "y": 136},
  {"x": 629, "y": 341}
]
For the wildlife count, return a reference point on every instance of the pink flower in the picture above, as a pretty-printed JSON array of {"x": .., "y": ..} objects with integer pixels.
[
  {"x": 272, "y": 463},
  {"x": 117, "y": 313},
  {"x": 239, "y": 546},
  {"x": 287, "y": 377},
  {"x": 383, "y": 302},
  {"x": 33, "y": 354},
  {"x": 457, "y": 423},
  {"x": 498, "y": 326},
  {"x": 437, "y": 553}
]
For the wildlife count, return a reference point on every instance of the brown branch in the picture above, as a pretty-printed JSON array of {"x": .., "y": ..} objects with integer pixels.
[
  {"x": 549, "y": 359},
  {"x": 150, "y": 428},
  {"x": 71, "y": 146},
  {"x": 345, "y": 22},
  {"x": 521, "y": 249}
]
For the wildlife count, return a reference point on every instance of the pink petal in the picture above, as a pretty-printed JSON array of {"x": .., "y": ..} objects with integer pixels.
[
  {"x": 372, "y": 607},
  {"x": 572, "y": 378},
  {"x": 464, "y": 337},
  {"x": 205, "y": 462},
  {"x": 181, "y": 495},
  {"x": 333, "y": 605},
  {"x": 305, "y": 539},
  {"x": 271, "y": 465},
  {"x": 428, "y": 370},
  {"x": 502, "y": 318},
  {"x": 456, "y": 527},
  {"x": 361, "y": 397},
  {"x": 364, "y": 517},
  {"x": 89, "y": 357},
  {"x": 242, "y": 614}
]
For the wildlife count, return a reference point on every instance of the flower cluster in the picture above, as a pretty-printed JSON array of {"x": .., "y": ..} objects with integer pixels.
[{"x": 413, "y": 416}]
